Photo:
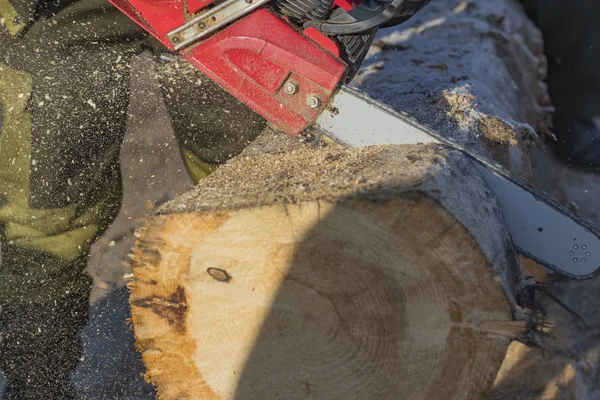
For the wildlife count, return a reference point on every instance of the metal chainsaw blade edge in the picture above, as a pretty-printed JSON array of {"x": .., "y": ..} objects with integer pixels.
[{"x": 542, "y": 229}]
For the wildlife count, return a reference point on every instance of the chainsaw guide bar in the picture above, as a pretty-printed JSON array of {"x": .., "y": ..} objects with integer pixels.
[{"x": 542, "y": 229}]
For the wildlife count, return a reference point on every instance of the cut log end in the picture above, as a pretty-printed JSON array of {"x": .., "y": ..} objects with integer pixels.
[{"x": 360, "y": 298}]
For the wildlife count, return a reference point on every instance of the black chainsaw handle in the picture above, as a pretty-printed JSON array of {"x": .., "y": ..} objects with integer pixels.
[{"x": 368, "y": 15}]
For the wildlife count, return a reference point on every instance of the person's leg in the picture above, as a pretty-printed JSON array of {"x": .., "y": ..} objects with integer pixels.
[
  {"x": 210, "y": 125},
  {"x": 41, "y": 346},
  {"x": 571, "y": 31},
  {"x": 63, "y": 100}
]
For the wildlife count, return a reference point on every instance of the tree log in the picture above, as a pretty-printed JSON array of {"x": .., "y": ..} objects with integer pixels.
[
  {"x": 345, "y": 274},
  {"x": 378, "y": 273}
]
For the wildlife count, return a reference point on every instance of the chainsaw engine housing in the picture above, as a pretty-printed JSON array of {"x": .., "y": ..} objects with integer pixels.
[{"x": 270, "y": 54}]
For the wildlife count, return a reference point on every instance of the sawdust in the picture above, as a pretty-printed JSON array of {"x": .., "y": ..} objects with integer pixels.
[
  {"x": 497, "y": 131},
  {"x": 272, "y": 142},
  {"x": 462, "y": 108},
  {"x": 308, "y": 174},
  {"x": 458, "y": 106}
]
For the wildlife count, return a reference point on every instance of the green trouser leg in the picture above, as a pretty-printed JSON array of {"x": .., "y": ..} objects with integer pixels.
[
  {"x": 210, "y": 125},
  {"x": 50, "y": 238},
  {"x": 63, "y": 98}
]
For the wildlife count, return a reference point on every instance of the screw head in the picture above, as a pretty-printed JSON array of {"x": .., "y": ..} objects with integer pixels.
[
  {"x": 314, "y": 102},
  {"x": 290, "y": 88}
]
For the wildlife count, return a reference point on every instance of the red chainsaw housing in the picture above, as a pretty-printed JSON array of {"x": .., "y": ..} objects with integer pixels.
[{"x": 254, "y": 58}]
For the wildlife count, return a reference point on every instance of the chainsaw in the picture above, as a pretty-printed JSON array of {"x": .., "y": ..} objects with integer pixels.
[{"x": 290, "y": 61}]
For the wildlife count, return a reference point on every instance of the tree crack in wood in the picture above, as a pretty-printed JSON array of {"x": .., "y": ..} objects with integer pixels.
[{"x": 173, "y": 309}]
